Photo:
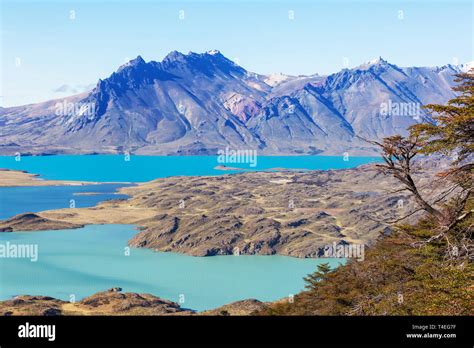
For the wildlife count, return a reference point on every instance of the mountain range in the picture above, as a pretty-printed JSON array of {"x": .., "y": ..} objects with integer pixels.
[{"x": 200, "y": 103}]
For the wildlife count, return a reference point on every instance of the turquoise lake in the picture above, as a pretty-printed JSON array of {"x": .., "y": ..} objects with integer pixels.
[
  {"x": 17, "y": 200},
  {"x": 114, "y": 168},
  {"x": 84, "y": 261}
]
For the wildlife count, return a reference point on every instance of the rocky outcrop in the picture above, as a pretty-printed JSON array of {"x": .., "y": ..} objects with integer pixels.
[
  {"x": 31, "y": 305},
  {"x": 287, "y": 213},
  {"x": 115, "y": 302},
  {"x": 34, "y": 222},
  {"x": 110, "y": 302},
  {"x": 244, "y": 307}
]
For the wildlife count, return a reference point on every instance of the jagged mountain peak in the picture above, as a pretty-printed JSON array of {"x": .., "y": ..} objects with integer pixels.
[
  {"x": 190, "y": 56},
  {"x": 374, "y": 63},
  {"x": 208, "y": 63},
  {"x": 137, "y": 73},
  {"x": 173, "y": 56},
  {"x": 460, "y": 68},
  {"x": 138, "y": 61},
  {"x": 214, "y": 52},
  {"x": 378, "y": 60},
  {"x": 175, "y": 63}
]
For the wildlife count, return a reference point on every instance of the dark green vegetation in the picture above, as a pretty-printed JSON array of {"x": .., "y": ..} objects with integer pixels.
[
  {"x": 422, "y": 268},
  {"x": 394, "y": 279}
]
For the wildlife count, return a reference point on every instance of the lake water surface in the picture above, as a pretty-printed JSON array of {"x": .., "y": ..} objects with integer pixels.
[
  {"x": 17, "y": 200},
  {"x": 83, "y": 261},
  {"x": 115, "y": 168}
]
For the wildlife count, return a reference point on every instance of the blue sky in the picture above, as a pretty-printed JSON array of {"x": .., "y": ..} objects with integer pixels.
[{"x": 44, "y": 48}]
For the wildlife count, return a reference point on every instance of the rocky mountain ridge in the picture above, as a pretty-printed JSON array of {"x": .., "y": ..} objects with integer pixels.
[{"x": 198, "y": 103}]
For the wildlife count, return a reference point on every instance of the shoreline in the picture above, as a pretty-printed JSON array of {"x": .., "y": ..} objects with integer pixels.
[
  {"x": 23, "y": 178},
  {"x": 290, "y": 213},
  {"x": 238, "y": 306},
  {"x": 111, "y": 303},
  {"x": 256, "y": 213},
  {"x": 357, "y": 153}
]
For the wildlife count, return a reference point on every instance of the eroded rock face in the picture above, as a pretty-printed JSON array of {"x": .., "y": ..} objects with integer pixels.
[{"x": 155, "y": 237}]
